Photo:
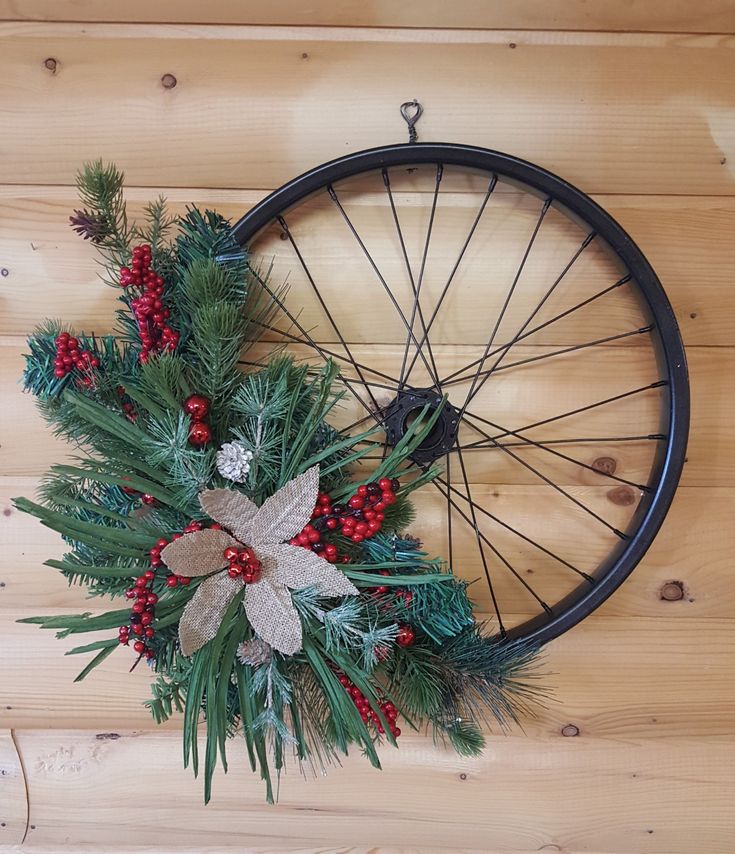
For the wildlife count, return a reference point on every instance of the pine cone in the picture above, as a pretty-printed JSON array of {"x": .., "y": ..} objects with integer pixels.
[
  {"x": 90, "y": 226},
  {"x": 233, "y": 462},
  {"x": 254, "y": 652}
]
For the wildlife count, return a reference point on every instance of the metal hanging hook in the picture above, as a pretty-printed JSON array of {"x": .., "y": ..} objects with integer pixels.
[{"x": 411, "y": 112}]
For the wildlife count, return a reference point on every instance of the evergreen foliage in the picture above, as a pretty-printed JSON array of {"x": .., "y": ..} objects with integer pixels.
[{"x": 132, "y": 438}]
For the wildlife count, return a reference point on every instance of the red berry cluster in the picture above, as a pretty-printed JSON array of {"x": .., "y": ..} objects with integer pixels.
[
  {"x": 406, "y": 595},
  {"x": 196, "y": 407},
  {"x": 69, "y": 355},
  {"x": 142, "y": 614},
  {"x": 126, "y": 405},
  {"x": 150, "y": 312},
  {"x": 243, "y": 564},
  {"x": 406, "y": 635},
  {"x": 360, "y": 518},
  {"x": 366, "y": 713}
]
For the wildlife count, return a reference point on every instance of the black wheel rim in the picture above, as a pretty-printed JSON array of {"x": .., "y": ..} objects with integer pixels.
[{"x": 671, "y": 384}]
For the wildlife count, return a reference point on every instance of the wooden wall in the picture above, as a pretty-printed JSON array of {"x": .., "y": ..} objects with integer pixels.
[{"x": 635, "y": 103}]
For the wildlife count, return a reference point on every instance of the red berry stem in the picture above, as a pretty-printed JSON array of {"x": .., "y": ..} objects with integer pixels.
[{"x": 148, "y": 307}]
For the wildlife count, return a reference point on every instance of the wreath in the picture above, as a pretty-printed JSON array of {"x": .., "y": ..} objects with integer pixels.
[{"x": 260, "y": 564}]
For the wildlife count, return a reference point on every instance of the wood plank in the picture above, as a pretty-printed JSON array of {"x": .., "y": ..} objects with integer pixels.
[
  {"x": 29, "y": 449},
  {"x": 711, "y": 16},
  {"x": 698, "y": 564},
  {"x": 51, "y": 272},
  {"x": 74, "y": 777},
  {"x": 601, "y": 675},
  {"x": 13, "y": 797},
  {"x": 624, "y": 101}
]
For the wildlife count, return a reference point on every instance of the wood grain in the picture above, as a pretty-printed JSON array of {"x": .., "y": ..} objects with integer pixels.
[
  {"x": 75, "y": 774},
  {"x": 697, "y": 564},
  {"x": 216, "y": 129},
  {"x": 687, "y": 241},
  {"x": 712, "y": 16},
  {"x": 600, "y": 674},
  {"x": 13, "y": 797},
  {"x": 29, "y": 449},
  {"x": 632, "y": 102}
]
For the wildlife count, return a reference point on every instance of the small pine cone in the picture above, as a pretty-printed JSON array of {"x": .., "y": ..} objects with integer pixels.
[
  {"x": 233, "y": 462},
  {"x": 254, "y": 652},
  {"x": 89, "y": 226}
]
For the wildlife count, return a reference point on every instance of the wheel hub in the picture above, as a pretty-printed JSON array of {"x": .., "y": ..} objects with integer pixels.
[{"x": 407, "y": 406}]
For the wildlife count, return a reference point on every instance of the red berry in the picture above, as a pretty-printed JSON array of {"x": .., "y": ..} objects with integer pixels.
[
  {"x": 405, "y": 636},
  {"x": 200, "y": 434},
  {"x": 230, "y": 554},
  {"x": 234, "y": 570},
  {"x": 184, "y": 579},
  {"x": 172, "y": 581},
  {"x": 197, "y": 406},
  {"x": 151, "y": 598},
  {"x": 356, "y": 502},
  {"x": 138, "y": 608},
  {"x": 331, "y": 524},
  {"x": 362, "y": 491},
  {"x": 149, "y": 632},
  {"x": 385, "y": 484}
]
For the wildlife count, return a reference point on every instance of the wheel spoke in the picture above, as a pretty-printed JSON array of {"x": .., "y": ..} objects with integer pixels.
[
  {"x": 445, "y": 289},
  {"x": 333, "y": 196},
  {"x": 504, "y": 308},
  {"x": 493, "y": 440},
  {"x": 503, "y": 347},
  {"x": 297, "y": 340},
  {"x": 531, "y": 442},
  {"x": 482, "y": 539},
  {"x": 600, "y": 440},
  {"x": 294, "y": 321},
  {"x": 550, "y": 483},
  {"x": 572, "y": 349},
  {"x": 585, "y": 243},
  {"x": 416, "y": 288},
  {"x": 480, "y": 509}
]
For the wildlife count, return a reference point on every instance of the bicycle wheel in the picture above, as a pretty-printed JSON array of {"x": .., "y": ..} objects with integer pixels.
[{"x": 429, "y": 269}]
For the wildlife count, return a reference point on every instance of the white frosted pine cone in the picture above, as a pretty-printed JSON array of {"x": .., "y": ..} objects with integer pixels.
[{"x": 233, "y": 462}]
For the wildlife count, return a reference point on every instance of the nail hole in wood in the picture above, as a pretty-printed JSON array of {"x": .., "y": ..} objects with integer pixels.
[
  {"x": 693, "y": 315},
  {"x": 512, "y": 45},
  {"x": 672, "y": 591},
  {"x": 462, "y": 776},
  {"x": 4, "y": 272},
  {"x": 723, "y": 161},
  {"x": 570, "y": 731},
  {"x": 606, "y": 465},
  {"x": 51, "y": 64},
  {"x": 168, "y": 81},
  {"x": 304, "y": 55}
]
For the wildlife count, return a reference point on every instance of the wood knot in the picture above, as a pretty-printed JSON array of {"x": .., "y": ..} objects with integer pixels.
[
  {"x": 168, "y": 81},
  {"x": 672, "y": 591},
  {"x": 51, "y": 64},
  {"x": 107, "y": 736},
  {"x": 606, "y": 465},
  {"x": 570, "y": 731},
  {"x": 623, "y": 496}
]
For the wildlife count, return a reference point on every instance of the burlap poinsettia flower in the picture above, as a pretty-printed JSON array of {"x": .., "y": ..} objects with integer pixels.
[{"x": 263, "y": 530}]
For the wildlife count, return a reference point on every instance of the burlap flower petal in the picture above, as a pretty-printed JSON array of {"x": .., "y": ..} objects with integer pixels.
[
  {"x": 285, "y": 513},
  {"x": 272, "y": 614},
  {"x": 230, "y": 508},
  {"x": 203, "y": 615},
  {"x": 297, "y": 568},
  {"x": 199, "y": 553}
]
